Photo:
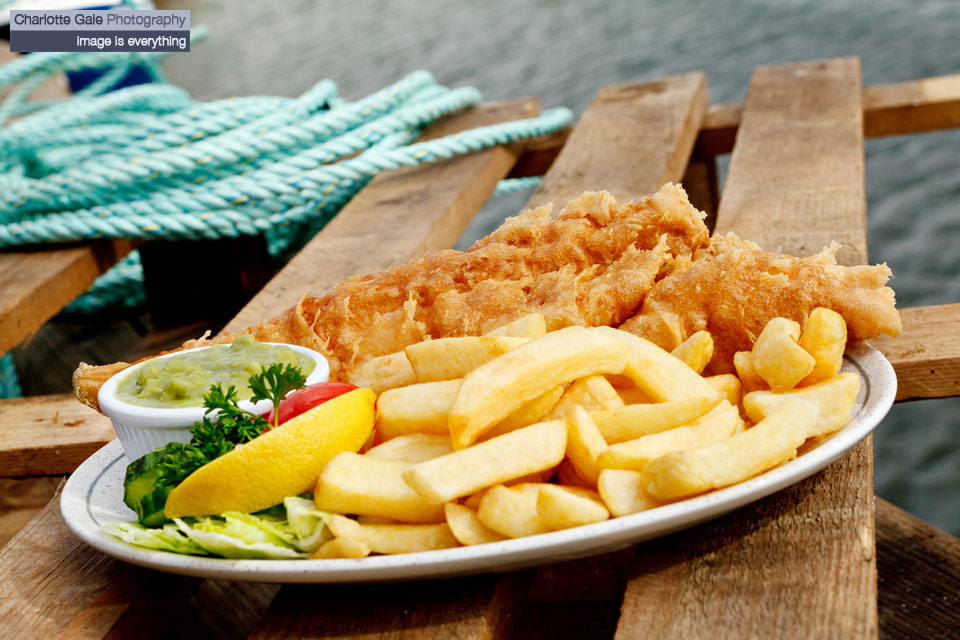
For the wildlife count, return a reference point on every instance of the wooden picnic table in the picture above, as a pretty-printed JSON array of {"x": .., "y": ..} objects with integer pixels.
[{"x": 823, "y": 558}]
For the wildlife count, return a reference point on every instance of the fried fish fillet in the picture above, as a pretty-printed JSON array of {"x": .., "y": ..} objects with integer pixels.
[
  {"x": 732, "y": 289},
  {"x": 593, "y": 264}
]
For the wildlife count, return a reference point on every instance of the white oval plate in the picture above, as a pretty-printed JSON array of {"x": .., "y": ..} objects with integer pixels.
[{"x": 93, "y": 496}]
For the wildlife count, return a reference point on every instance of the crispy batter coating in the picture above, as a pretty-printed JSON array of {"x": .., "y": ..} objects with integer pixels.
[
  {"x": 591, "y": 265},
  {"x": 732, "y": 289}
]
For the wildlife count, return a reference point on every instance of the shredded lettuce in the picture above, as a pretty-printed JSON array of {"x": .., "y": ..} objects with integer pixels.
[
  {"x": 291, "y": 530},
  {"x": 166, "y": 538},
  {"x": 233, "y": 538},
  {"x": 307, "y": 523}
]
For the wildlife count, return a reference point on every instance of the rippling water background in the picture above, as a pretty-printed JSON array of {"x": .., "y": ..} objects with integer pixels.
[{"x": 564, "y": 51}]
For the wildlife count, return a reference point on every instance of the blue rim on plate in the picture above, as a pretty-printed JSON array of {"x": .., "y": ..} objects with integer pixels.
[{"x": 94, "y": 495}]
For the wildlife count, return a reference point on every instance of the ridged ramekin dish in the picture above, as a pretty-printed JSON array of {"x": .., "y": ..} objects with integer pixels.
[{"x": 143, "y": 429}]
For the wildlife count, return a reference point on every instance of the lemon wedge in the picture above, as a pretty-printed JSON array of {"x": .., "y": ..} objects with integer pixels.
[{"x": 282, "y": 462}]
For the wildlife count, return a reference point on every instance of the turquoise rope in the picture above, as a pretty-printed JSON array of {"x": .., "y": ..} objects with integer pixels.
[
  {"x": 148, "y": 162},
  {"x": 9, "y": 383},
  {"x": 509, "y": 185}
]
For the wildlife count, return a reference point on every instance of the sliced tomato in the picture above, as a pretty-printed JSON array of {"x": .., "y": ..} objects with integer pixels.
[{"x": 307, "y": 398}]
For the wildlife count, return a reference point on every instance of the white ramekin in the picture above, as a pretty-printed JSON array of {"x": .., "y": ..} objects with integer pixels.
[{"x": 143, "y": 429}]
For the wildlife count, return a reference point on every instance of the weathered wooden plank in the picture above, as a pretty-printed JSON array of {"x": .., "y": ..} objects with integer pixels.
[
  {"x": 631, "y": 139},
  {"x": 919, "y": 577},
  {"x": 912, "y": 107},
  {"x": 538, "y": 154},
  {"x": 36, "y": 284},
  {"x": 49, "y": 435},
  {"x": 20, "y": 500},
  {"x": 796, "y": 178},
  {"x": 223, "y": 610},
  {"x": 888, "y": 110},
  {"x": 701, "y": 184},
  {"x": 926, "y": 355},
  {"x": 53, "y": 586},
  {"x": 801, "y": 562},
  {"x": 477, "y": 608},
  {"x": 395, "y": 219},
  {"x": 719, "y": 130}
]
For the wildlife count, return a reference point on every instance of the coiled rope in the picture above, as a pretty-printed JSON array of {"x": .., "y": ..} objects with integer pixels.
[{"x": 149, "y": 162}]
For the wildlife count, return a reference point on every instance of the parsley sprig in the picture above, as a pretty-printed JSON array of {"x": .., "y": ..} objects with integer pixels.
[{"x": 274, "y": 384}]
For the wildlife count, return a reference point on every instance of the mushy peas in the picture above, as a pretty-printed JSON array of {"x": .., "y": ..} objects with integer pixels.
[{"x": 183, "y": 380}]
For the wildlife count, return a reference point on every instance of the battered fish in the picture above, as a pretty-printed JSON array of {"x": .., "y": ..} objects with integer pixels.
[
  {"x": 591, "y": 265},
  {"x": 732, "y": 289}
]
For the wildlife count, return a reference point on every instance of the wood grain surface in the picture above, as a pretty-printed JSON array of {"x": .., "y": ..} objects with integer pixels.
[
  {"x": 888, "y": 109},
  {"x": 919, "y": 577},
  {"x": 52, "y": 585},
  {"x": 796, "y": 178},
  {"x": 396, "y": 218},
  {"x": 20, "y": 500},
  {"x": 38, "y": 283},
  {"x": 48, "y": 435},
  {"x": 478, "y": 608},
  {"x": 630, "y": 140},
  {"x": 801, "y": 562},
  {"x": 926, "y": 356}
]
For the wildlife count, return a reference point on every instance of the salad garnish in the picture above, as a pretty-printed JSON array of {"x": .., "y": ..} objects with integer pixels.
[{"x": 150, "y": 479}]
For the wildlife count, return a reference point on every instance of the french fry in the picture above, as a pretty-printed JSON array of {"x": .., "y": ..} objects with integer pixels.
[
  {"x": 512, "y": 511},
  {"x": 661, "y": 376},
  {"x": 453, "y": 358},
  {"x": 496, "y": 389},
  {"x": 593, "y": 393},
  {"x": 747, "y": 372},
  {"x": 777, "y": 356},
  {"x": 729, "y": 385},
  {"x": 365, "y": 519},
  {"x": 342, "y": 548},
  {"x": 394, "y": 538},
  {"x": 386, "y": 372},
  {"x": 473, "y": 501},
  {"x": 530, "y": 413},
  {"x": 567, "y": 507},
  {"x": 636, "y": 420},
  {"x": 567, "y": 475},
  {"x": 634, "y": 455},
  {"x": 536, "y": 476},
  {"x": 466, "y": 526},
  {"x": 770, "y": 442},
  {"x": 624, "y": 492},
  {"x": 531, "y": 326},
  {"x": 419, "y": 408},
  {"x": 413, "y": 447},
  {"x": 632, "y": 395},
  {"x": 620, "y": 382},
  {"x": 351, "y": 483},
  {"x": 534, "y": 448},
  {"x": 584, "y": 444},
  {"x": 824, "y": 337},
  {"x": 835, "y": 399},
  {"x": 696, "y": 350}
]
